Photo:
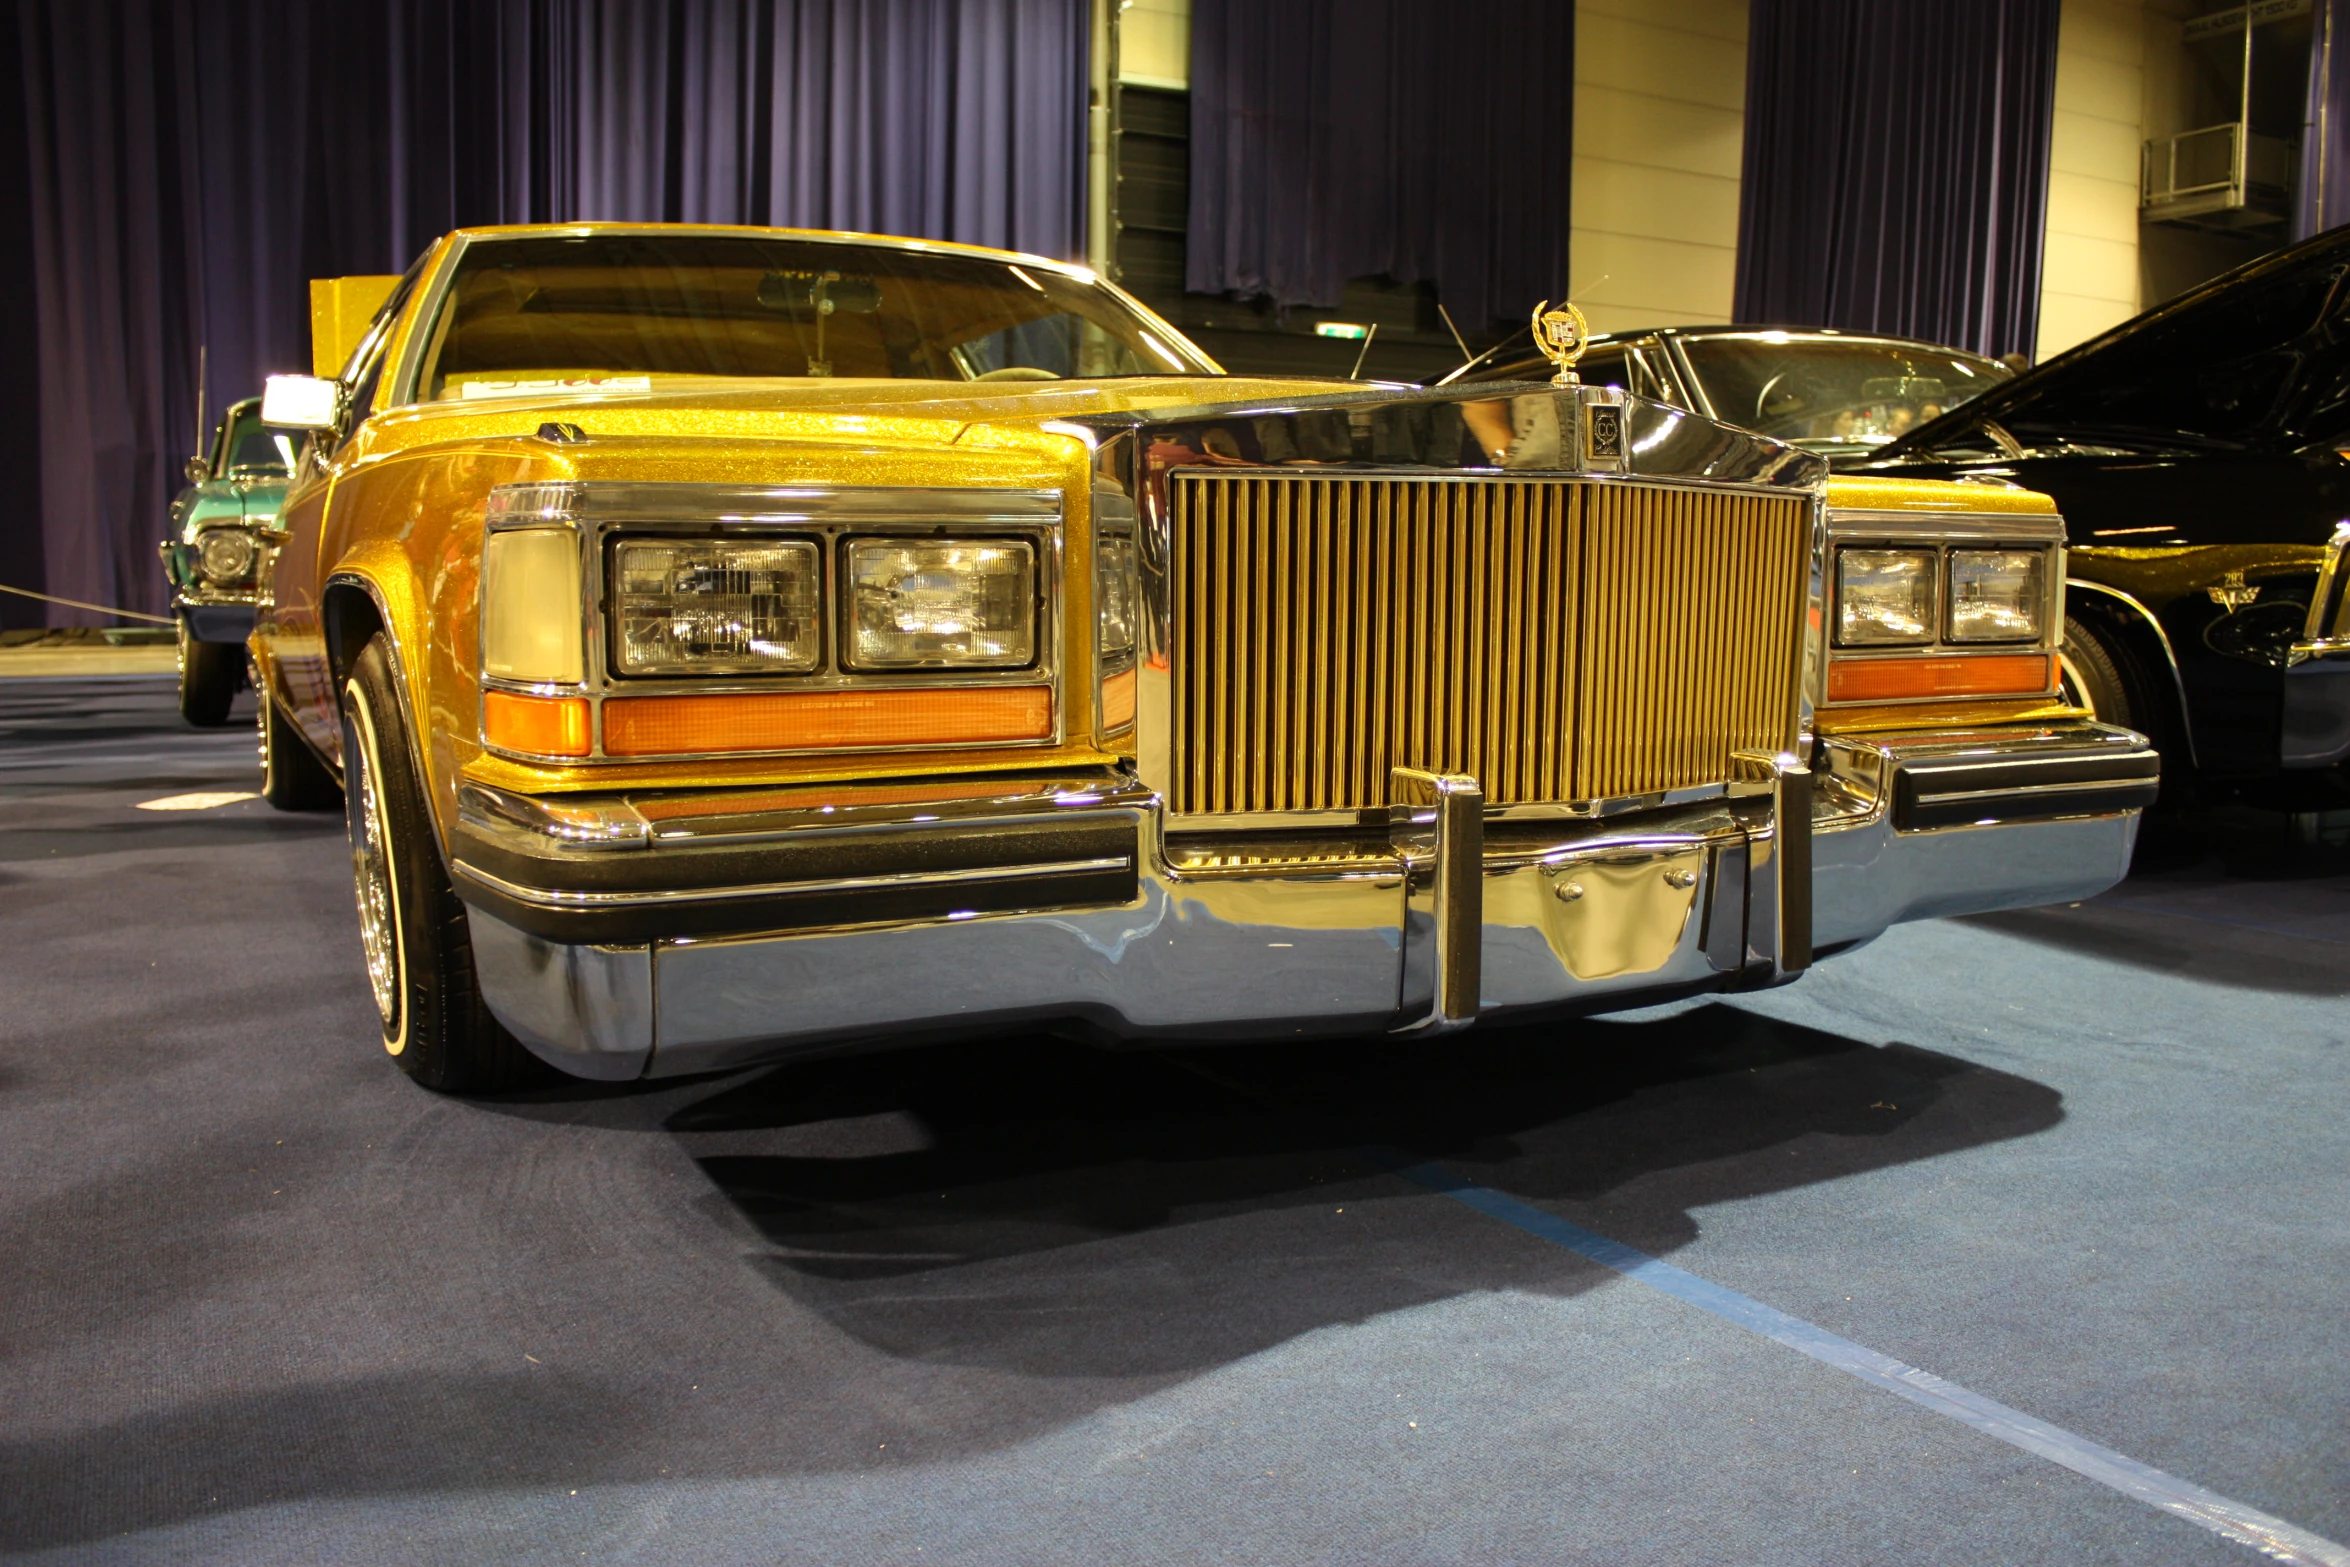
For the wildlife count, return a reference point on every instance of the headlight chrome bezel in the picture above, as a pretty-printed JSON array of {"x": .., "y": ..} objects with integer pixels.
[
  {"x": 236, "y": 573},
  {"x": 604, "y": 518},
  {"x": 1955, "y": 542}
]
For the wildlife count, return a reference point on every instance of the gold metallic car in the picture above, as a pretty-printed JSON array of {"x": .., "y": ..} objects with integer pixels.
[{"x": 733, "y": 642}]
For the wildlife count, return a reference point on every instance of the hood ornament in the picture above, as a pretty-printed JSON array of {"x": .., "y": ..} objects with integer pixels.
[{"x": 1562, "y": 335}]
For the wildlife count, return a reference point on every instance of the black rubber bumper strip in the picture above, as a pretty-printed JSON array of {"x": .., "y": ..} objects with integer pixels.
[
  {"x": 631, "y": 897},
  {"x": 1964, "y": 792}
]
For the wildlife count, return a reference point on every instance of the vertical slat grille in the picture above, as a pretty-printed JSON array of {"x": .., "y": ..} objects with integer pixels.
[{"x": 1556, "y": 639}]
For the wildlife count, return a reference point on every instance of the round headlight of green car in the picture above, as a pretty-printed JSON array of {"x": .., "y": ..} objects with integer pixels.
[{"x": 227, "y": 555}]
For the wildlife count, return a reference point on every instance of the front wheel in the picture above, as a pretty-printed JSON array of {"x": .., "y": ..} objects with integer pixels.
[
  {"x": 412, "y": 925},
  {"x": 209, "y": 672},
  {"x": 2093, "y": 676}
]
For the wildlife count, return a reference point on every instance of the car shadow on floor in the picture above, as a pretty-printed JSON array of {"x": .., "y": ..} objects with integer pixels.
[
  {"x": 892, "y": 1192},
  {"x": 1023, "y": 1231}
]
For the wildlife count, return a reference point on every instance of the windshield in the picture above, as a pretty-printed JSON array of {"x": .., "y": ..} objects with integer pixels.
[
  {"x": 1831, "y": 393},
  {"x": 253, "y": 449},
  {"x": 530, "y": 314}
]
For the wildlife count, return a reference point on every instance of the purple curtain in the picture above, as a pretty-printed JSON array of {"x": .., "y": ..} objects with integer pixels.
[
  {"x": 2321, "y": 186},
  {"x": 1333, "y": 139},
  {"x": 1896, "y": 167},
  {"x": 185, "y": 166}
]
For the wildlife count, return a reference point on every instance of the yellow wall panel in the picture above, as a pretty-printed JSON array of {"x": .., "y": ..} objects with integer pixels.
[
  {"x": 1724, "y": 19},
  {"x": 2073, "y": 320},
  {"x": 2093, "y": 208},
  {"x": 2089, "y": 270},
  {"x": 1652, "y": 282},
  {"x": 1154, "y": 43},
  {"x": 1623, "y": 198},
  {"x": 1660, "y": 95},
  {"x": 1654, "y": 57},
  {"x": 1633, "y": 128}
]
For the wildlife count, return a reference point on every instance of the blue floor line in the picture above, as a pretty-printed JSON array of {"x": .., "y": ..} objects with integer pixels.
[
  {"x": 2273, "y": 1537},
  {"x": 2218, "y": 919}
]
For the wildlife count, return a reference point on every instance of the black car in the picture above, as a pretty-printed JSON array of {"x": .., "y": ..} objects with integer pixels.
[{"x": 2198, "y": 454}]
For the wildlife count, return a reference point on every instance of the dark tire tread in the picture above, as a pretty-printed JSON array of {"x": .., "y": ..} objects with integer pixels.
[
  {"x": 453, "y": 1044},
  {"x": 292, "y": 776},
  {"x": 2097, "y": 671},
  {"x": 210, "y": 673}
]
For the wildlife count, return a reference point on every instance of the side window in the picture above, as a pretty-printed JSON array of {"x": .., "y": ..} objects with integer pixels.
[
  {"x": 1603, "y": 367},
  {"x": 361, "y": 376},
  {"x": 362, "y": 390},
  {"x": 1646, "y": 380}
]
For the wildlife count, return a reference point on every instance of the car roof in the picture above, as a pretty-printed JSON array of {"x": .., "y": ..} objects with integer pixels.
[{"x": 746, "y": 230}]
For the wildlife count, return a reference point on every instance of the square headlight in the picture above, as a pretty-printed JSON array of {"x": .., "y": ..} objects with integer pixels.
[
  {"x": 716, "y": 606},
  {"x": 1997, "y": 595},
  {"x": 942, "y": 604},
  {"x": 1885, "y": 598}
]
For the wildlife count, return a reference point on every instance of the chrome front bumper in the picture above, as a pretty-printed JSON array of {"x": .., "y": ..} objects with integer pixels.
[
  {"x": 656, "y": 935},
  {"x": 210, "y": 620}
]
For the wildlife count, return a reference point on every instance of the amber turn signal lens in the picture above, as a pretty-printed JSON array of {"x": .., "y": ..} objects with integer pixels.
[
  {"x": 535, "y": 725},
  {"x": 1118, "y": 702},
  {"x": 1899, "y": 679},
  {"x": 813, "y": 720}
]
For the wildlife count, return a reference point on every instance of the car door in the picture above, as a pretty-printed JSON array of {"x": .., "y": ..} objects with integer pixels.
[{"x": 294, "y": 638}]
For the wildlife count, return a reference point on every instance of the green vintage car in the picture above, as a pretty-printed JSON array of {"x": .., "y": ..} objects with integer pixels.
[{"x": 224, "y": 533}]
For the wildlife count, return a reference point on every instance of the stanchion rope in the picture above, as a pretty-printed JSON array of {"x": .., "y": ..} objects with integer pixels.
[{"x": 103, "y": 609}]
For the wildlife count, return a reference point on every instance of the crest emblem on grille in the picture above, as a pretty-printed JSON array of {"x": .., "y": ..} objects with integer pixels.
[
  {"x": 1562, "y": 335},
  {"x": 1604, "y": 431}
]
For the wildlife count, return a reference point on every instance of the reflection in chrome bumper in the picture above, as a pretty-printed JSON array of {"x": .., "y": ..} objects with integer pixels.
[{"x": 1268, "y": 936}]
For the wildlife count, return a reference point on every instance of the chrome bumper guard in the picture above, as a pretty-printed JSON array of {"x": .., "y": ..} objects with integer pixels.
[{"x": 635, "y": 935}]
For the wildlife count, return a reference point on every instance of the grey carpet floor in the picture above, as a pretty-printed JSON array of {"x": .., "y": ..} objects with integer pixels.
[{"x": 1020, "y": 1301}]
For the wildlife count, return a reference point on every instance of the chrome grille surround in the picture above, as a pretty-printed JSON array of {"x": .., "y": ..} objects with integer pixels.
[{"x": 1562, "y": 639}]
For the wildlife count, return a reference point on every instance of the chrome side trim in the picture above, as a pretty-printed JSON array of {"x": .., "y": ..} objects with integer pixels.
[
  {"x": 2326, "y": 633},
  {"x": 553, "y": 820},
  {"x": 545, "y": 898},
  {"x": 2094, "y": 785},
  {"x": 560, "y": 824}
]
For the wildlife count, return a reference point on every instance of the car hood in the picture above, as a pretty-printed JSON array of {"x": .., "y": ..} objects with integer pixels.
[
  {"x": 892, "y": 414},
  {"x": 962, "y": 402},
  {"x": 2254, "y": 359},
  {"x": 1214, "y": 419},
  {"x": 219, "y": 501}
]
